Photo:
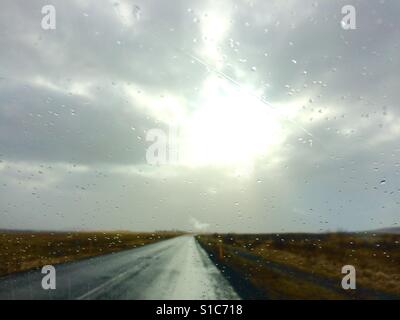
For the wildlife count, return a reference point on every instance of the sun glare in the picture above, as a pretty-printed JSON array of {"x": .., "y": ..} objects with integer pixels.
[{"x": 231, "y": 127}]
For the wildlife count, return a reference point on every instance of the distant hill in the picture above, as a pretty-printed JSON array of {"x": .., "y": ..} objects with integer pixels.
[{"x": 393, "y": 230}]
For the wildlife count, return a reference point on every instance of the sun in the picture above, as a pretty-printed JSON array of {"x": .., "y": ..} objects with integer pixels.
[{"x": 231, "y": 127}]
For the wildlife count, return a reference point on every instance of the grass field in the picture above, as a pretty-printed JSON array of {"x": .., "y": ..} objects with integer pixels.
[
  {"x": 308, "y": 266},
  {"x": 21, "y": 251}
]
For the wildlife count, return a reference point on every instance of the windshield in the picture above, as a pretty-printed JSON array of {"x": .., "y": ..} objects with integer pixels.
[{"x": 265, "y": 126}]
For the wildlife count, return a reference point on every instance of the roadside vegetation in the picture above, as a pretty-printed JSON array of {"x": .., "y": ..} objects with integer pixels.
[
  {"x": 21, "y": 251},
  {"x": 307, "y": 266}
]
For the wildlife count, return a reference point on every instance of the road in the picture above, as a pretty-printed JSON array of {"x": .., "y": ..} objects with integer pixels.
[{"x": 177, "y": 268}]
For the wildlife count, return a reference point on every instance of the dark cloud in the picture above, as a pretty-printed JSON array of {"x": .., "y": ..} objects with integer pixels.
[{"x": 43, "y": 125}]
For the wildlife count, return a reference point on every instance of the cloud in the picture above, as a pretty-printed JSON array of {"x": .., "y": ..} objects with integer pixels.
[
  {"x": 199, "y": 226},
  {"x": 76, "y": 104}
]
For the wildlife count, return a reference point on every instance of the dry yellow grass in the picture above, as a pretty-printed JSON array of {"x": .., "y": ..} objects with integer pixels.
[
  {"x": 376, "y": 258},
  {"x": 21, "y": 251}
]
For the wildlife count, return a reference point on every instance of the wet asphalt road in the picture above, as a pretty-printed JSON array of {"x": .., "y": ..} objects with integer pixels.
[{"x": 177, "y": 268}]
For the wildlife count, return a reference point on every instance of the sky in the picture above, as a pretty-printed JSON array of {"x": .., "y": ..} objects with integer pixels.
[{"x": 218, "y": 116}]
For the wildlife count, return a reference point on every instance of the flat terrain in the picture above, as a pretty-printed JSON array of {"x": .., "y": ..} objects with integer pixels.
[
  {"x": 24, "y": 250},
  {"x": 169, "y": 265},
  {"x": 177, "y": 268},
  {"x": 308, "y": 266}
]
